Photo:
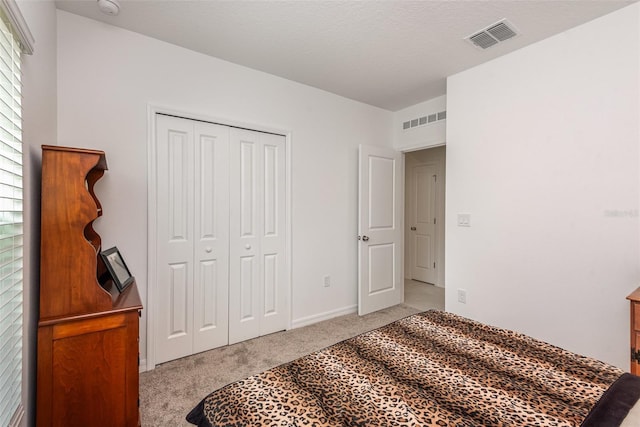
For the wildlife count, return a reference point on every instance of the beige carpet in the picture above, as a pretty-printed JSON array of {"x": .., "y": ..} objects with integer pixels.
[
  {"x": 170, "y": 391},
  {"x": 423, "y": 296}
]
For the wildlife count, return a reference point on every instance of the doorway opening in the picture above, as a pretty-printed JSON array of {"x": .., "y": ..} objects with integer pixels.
[{"x": 425, "y": 177}]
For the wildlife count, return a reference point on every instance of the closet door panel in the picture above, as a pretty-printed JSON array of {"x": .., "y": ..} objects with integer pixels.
[
  {"x": 273, "y": 280},
  {"x": 206, "y": 310},
  {"x": 244, "y": 242},
  {"x": 271, "y": 196},
  {"x": 175, "y": 238},
  {"x": 247, "y": 289},
  {"x": 271, "y": 291},
  {"x": 179, "y": 303},
  {"x": 247, "y": 183},
  {"x": 257, "y": 233},
  {"x": 211, "y": 249}
]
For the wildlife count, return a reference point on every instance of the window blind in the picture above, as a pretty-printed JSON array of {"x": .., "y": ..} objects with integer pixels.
[{"x": 11, "y": 226}]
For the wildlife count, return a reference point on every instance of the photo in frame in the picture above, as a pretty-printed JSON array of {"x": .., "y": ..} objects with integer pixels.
[{"x": 117, "y": 268}]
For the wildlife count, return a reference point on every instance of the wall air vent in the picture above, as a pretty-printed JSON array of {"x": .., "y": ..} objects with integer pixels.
[
  {"x": 424, "y": 120},
  {"x": 493, "y": 34}
]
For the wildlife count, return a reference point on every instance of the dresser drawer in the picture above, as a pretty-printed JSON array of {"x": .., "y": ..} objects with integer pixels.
[{"x": 636, "y": 316}]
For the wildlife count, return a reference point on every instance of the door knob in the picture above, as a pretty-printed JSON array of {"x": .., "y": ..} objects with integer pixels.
[
  {"x": 208, "y": 249},
  {"x": 413, "y": 229},
  {"x": 247, "y": 247},
  {"x": 365, "y": 238}
]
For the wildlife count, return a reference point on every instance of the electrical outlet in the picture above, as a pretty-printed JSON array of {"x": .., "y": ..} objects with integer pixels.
[
  {"x": 327, "y": 281},
  {"x": 462, "y": 296}
]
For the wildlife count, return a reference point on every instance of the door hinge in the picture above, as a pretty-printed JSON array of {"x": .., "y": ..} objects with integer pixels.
[
  {"x": 635, "y": 355},
  {"x": 434, "y": 265},
  {"x": 434, "y": 221},
  {"x": 435, "y": 178}
]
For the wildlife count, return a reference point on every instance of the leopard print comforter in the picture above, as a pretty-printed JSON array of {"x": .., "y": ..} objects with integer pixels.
[{"x": 429, "y": 369}]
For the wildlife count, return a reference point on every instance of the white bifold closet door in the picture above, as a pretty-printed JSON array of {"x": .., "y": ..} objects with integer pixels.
[
  {"x": 257, "y": 299},
  {"x": 193, "y": 237},
  {"x": 220, "y": 236}
]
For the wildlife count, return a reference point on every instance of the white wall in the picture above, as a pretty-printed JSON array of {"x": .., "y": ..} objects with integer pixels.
[
  {"x": 542, "y": 151},
  {"x": 39, "y": 127},
  {"x": 428, "y": 135},
  {"x": 108, "y": 76}
]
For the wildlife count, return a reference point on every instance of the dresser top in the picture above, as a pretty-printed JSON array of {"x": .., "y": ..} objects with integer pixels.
[{"x": 634, "y": 296}]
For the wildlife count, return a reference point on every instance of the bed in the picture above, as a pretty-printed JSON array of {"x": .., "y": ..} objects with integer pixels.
[{"x": 430, "y": 369}]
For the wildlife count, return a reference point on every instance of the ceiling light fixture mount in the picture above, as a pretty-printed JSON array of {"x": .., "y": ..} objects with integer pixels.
[{"x": 109, "y": 7}]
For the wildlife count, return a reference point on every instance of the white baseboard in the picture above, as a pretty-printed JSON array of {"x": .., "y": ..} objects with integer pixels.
[
  {"x": 143, "y": 365},
  {"x": 310, "y": 320}
]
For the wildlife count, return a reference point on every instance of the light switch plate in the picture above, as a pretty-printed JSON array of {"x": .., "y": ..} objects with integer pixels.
[{"x": 464, "y": 220}]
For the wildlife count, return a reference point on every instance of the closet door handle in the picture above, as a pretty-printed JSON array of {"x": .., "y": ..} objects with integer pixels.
[
  {"x": 208, "y": 249},
  {"x": 247, "y": 247}
]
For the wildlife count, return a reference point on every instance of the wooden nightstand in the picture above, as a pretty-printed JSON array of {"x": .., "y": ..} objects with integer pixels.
[{"x": 635, "y": 331}]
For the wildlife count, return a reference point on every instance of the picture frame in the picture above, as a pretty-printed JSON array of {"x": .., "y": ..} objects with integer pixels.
[{"x": 117, "y": 268}]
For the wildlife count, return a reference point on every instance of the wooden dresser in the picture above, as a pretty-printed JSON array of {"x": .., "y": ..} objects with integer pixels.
[
  {"x": 87, "y": 332},
  {"x": 634, "y": 298}
]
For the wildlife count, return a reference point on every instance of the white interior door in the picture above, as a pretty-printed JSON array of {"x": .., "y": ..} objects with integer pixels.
[
  {"x": 380, "y": 199},
  {"x": 192, "y": 234},
  {"x": 257, "y": 301},
  {"x": 423, "y": 223}
]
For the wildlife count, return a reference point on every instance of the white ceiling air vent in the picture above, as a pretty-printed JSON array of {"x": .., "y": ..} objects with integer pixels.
[{"x": 493, "y": 34}]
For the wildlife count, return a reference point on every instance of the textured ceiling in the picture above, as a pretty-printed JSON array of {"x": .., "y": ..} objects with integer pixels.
[{"x": 391, "y": 54}]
